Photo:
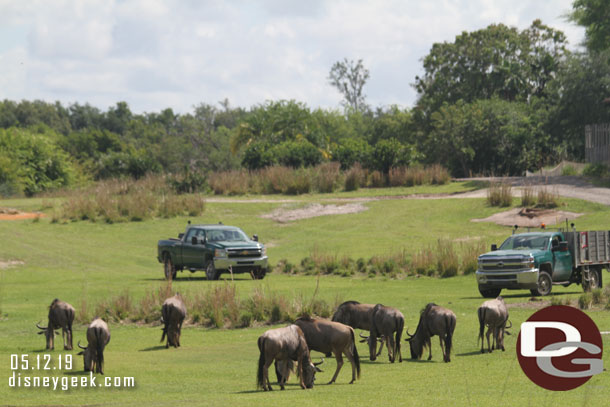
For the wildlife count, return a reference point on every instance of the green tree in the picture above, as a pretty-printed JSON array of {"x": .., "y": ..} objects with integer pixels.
[
  {"x": 594, "y": 16},
  {"x": 349, "y": 78},
  {"x": 497, "y": 61}
]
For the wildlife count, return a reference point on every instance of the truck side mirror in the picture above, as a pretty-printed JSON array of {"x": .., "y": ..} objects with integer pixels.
[
  {"x": 255, "y": 238},
  {"x": 180, "y": 235},
  {"x": 194, "y": 240},
  {"x": 563, "y": 246},
  {"x": 494, "y": 247}
]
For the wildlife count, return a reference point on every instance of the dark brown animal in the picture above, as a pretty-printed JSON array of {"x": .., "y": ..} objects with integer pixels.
[
  {"x": 386, "y": 322},
  {"x": 61, "y": 315},
  {"x": 494, "y": 315},
  {"x": 434, "y": 320},
  {"x": 356, "y": 315},
  {"x": 173, "y": 313},
  {"x": 327, "y": 336},
  {"x": 284, "y": 344},
  {"x": 98, "y": 336}
]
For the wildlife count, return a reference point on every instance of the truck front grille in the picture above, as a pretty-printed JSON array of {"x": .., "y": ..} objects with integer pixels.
[{"x": 243, "y": 253}]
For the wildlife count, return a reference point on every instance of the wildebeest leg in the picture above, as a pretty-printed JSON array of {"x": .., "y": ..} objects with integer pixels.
[
  {"x": 381, "y": 346},
  {"x": 300, "y": 361},
  {"x": 442, "y": 339},
  {"x": 266, "y": 375},
  {"x": 350, "y": 357},
  {"x": 489, "y": 348},
  {"x": 339, "y": 365},
  {"x": 430, "y": 350},
  {"x": 391, "y": 344},
  {"x": 178, "y": 335},
  {"x": 63, "y": 337}
]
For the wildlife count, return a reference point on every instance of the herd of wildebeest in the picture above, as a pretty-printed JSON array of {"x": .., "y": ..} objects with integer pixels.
[{"x": 293, "y": 343}]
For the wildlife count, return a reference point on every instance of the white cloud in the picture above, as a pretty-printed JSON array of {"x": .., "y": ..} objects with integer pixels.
[{"x": 162, "y": 53}]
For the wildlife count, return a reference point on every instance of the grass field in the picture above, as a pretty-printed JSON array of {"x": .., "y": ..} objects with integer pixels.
[{"x": 85, "y": 261}]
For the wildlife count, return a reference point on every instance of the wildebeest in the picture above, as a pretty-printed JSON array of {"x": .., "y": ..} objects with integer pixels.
[
  {"x": 494, "y": 315},
  {"x": 434, "y": 320},
  {"x": 284, "y": 344},
  {"x": 173, "y": 313},
  {"x": 61, "y": 315},
  {"x": 328, "y": 336},
  {"x": 356, "y": 315},
  {"x": 385, "y": 321},
  {"x": 98, "y": 336}
]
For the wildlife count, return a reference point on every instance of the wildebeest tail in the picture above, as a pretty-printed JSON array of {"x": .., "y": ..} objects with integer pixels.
[
  {"x": 481, "y": 312},
  {"x": 165, "y": 318},
  {"x": 261, "y": 363},
  {"x": 355, "y": 354},
  {"x": 400, "y": 325},
  {"x": 100, "y": 348}
]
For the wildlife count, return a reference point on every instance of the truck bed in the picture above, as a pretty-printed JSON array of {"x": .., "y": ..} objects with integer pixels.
[{"x": 589, "y": 248}]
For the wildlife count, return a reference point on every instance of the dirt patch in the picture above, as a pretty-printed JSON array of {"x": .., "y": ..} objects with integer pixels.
[
  {"x": 532, "y": 218},
  {"x": 10, "y": 263},
  {"x": 533, "y": 303},
  {"x": 284, "y": 215},
  {"x": 14, "y": 214}
]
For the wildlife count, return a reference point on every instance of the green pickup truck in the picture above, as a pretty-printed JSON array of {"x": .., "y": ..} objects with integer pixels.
[
  {"x": 215, "y": 249},
  {"x": 538, "y": 260}
]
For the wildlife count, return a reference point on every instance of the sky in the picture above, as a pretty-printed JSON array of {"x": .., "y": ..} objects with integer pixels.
[{"x": 158, "y": 54}]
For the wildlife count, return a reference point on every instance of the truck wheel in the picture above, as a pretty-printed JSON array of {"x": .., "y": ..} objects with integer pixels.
[
  {"x": 168, "y": 267},
  {"x": 259, "y": 274},
  {"x": 595, "y": 280},
  {"x": 211, "y": 273},
  {"x": 545, "y": 284},
  {"x": 490, "y": 293}
]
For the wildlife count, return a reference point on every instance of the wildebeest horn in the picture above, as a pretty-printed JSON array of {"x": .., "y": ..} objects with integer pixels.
[
  {"x": 80, "y": 346},
  {"x": 511, "y": 325},
  {"x": 409, "y": 333},
  {"x": 40, "y": 327},
  {"x": 363, "y": 336},
  {"x": 319, "y": 363}
]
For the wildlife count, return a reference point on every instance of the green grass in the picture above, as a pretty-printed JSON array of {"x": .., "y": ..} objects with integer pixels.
[{"x": 92, "y": 261}]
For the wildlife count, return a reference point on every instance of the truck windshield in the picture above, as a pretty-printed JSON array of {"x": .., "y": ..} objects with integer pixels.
[
  {"x": 525, "y": 243},
  {"x": 227, "y": 235}
]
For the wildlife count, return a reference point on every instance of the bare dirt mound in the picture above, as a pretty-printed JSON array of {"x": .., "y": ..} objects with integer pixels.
[
  {"x": 10, "y": 263},
  {"x": 526, "y": 217},
  {"x": 284, "y": 215},
  {"x": 14, "y": 214}
]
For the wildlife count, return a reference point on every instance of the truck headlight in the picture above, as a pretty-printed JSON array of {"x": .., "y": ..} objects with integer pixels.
[
  {"x": 263, "y": 251},
  {"x": 220, "y": 253},
  {"x": 530, "y": 263}
]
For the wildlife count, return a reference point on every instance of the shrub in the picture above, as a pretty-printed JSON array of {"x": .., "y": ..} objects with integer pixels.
[
  {"x": 377, "y": 180},
  {"x": 327, "y": 177},
  {"x": 596, "y": 170},
  {"x": 585, "y": 301},
  {"x": 569, "y": 170}
]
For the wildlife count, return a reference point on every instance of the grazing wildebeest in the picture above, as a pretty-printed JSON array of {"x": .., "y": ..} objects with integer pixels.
[
  {"x": 385, "y": 321},
  {"x": 61, "y": 315},
  {"x": 98, "y": 336},
  {"x": 328, "y": 336},
  {"x": 356, "y": 315},
  {"x": 284, "y": 344},
  {"x": 434, "y": 320},
  {"x": 173, "y": 313},
  {"x": 494, "y": 314}
]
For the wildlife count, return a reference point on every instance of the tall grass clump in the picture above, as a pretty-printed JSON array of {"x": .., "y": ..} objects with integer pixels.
[
  {"x": 500, "y": 194},
  {"x": 355, "y": 178},
  {"x": 124, "y": 200},
  {"x": 585, "y": 301},
  {"x": 469, "y": 256},
  {"x": 327, "y": 177},
  {"x": 230, "y": 182},
  {"x": 547, "y": 199},
  {"x": 528, "y": 198},
  {"x": 447, "y": 259}
]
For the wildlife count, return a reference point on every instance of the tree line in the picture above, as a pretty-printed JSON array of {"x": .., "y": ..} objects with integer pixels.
[{"x": 494, "y": 101}]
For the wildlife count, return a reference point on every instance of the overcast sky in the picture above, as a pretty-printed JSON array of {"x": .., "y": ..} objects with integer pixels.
[{"x": 155, "y": 54}]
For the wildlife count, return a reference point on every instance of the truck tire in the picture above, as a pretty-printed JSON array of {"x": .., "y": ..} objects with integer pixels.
[
  {"x": 595, "y": 280},
  {"x": 259, "y": 274},
  {"x": 490, "y": 292},
  {"x": 211, "y": 273},
  {"x": 545, "y": 284},
  {"x": 168, "y": 267}
]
